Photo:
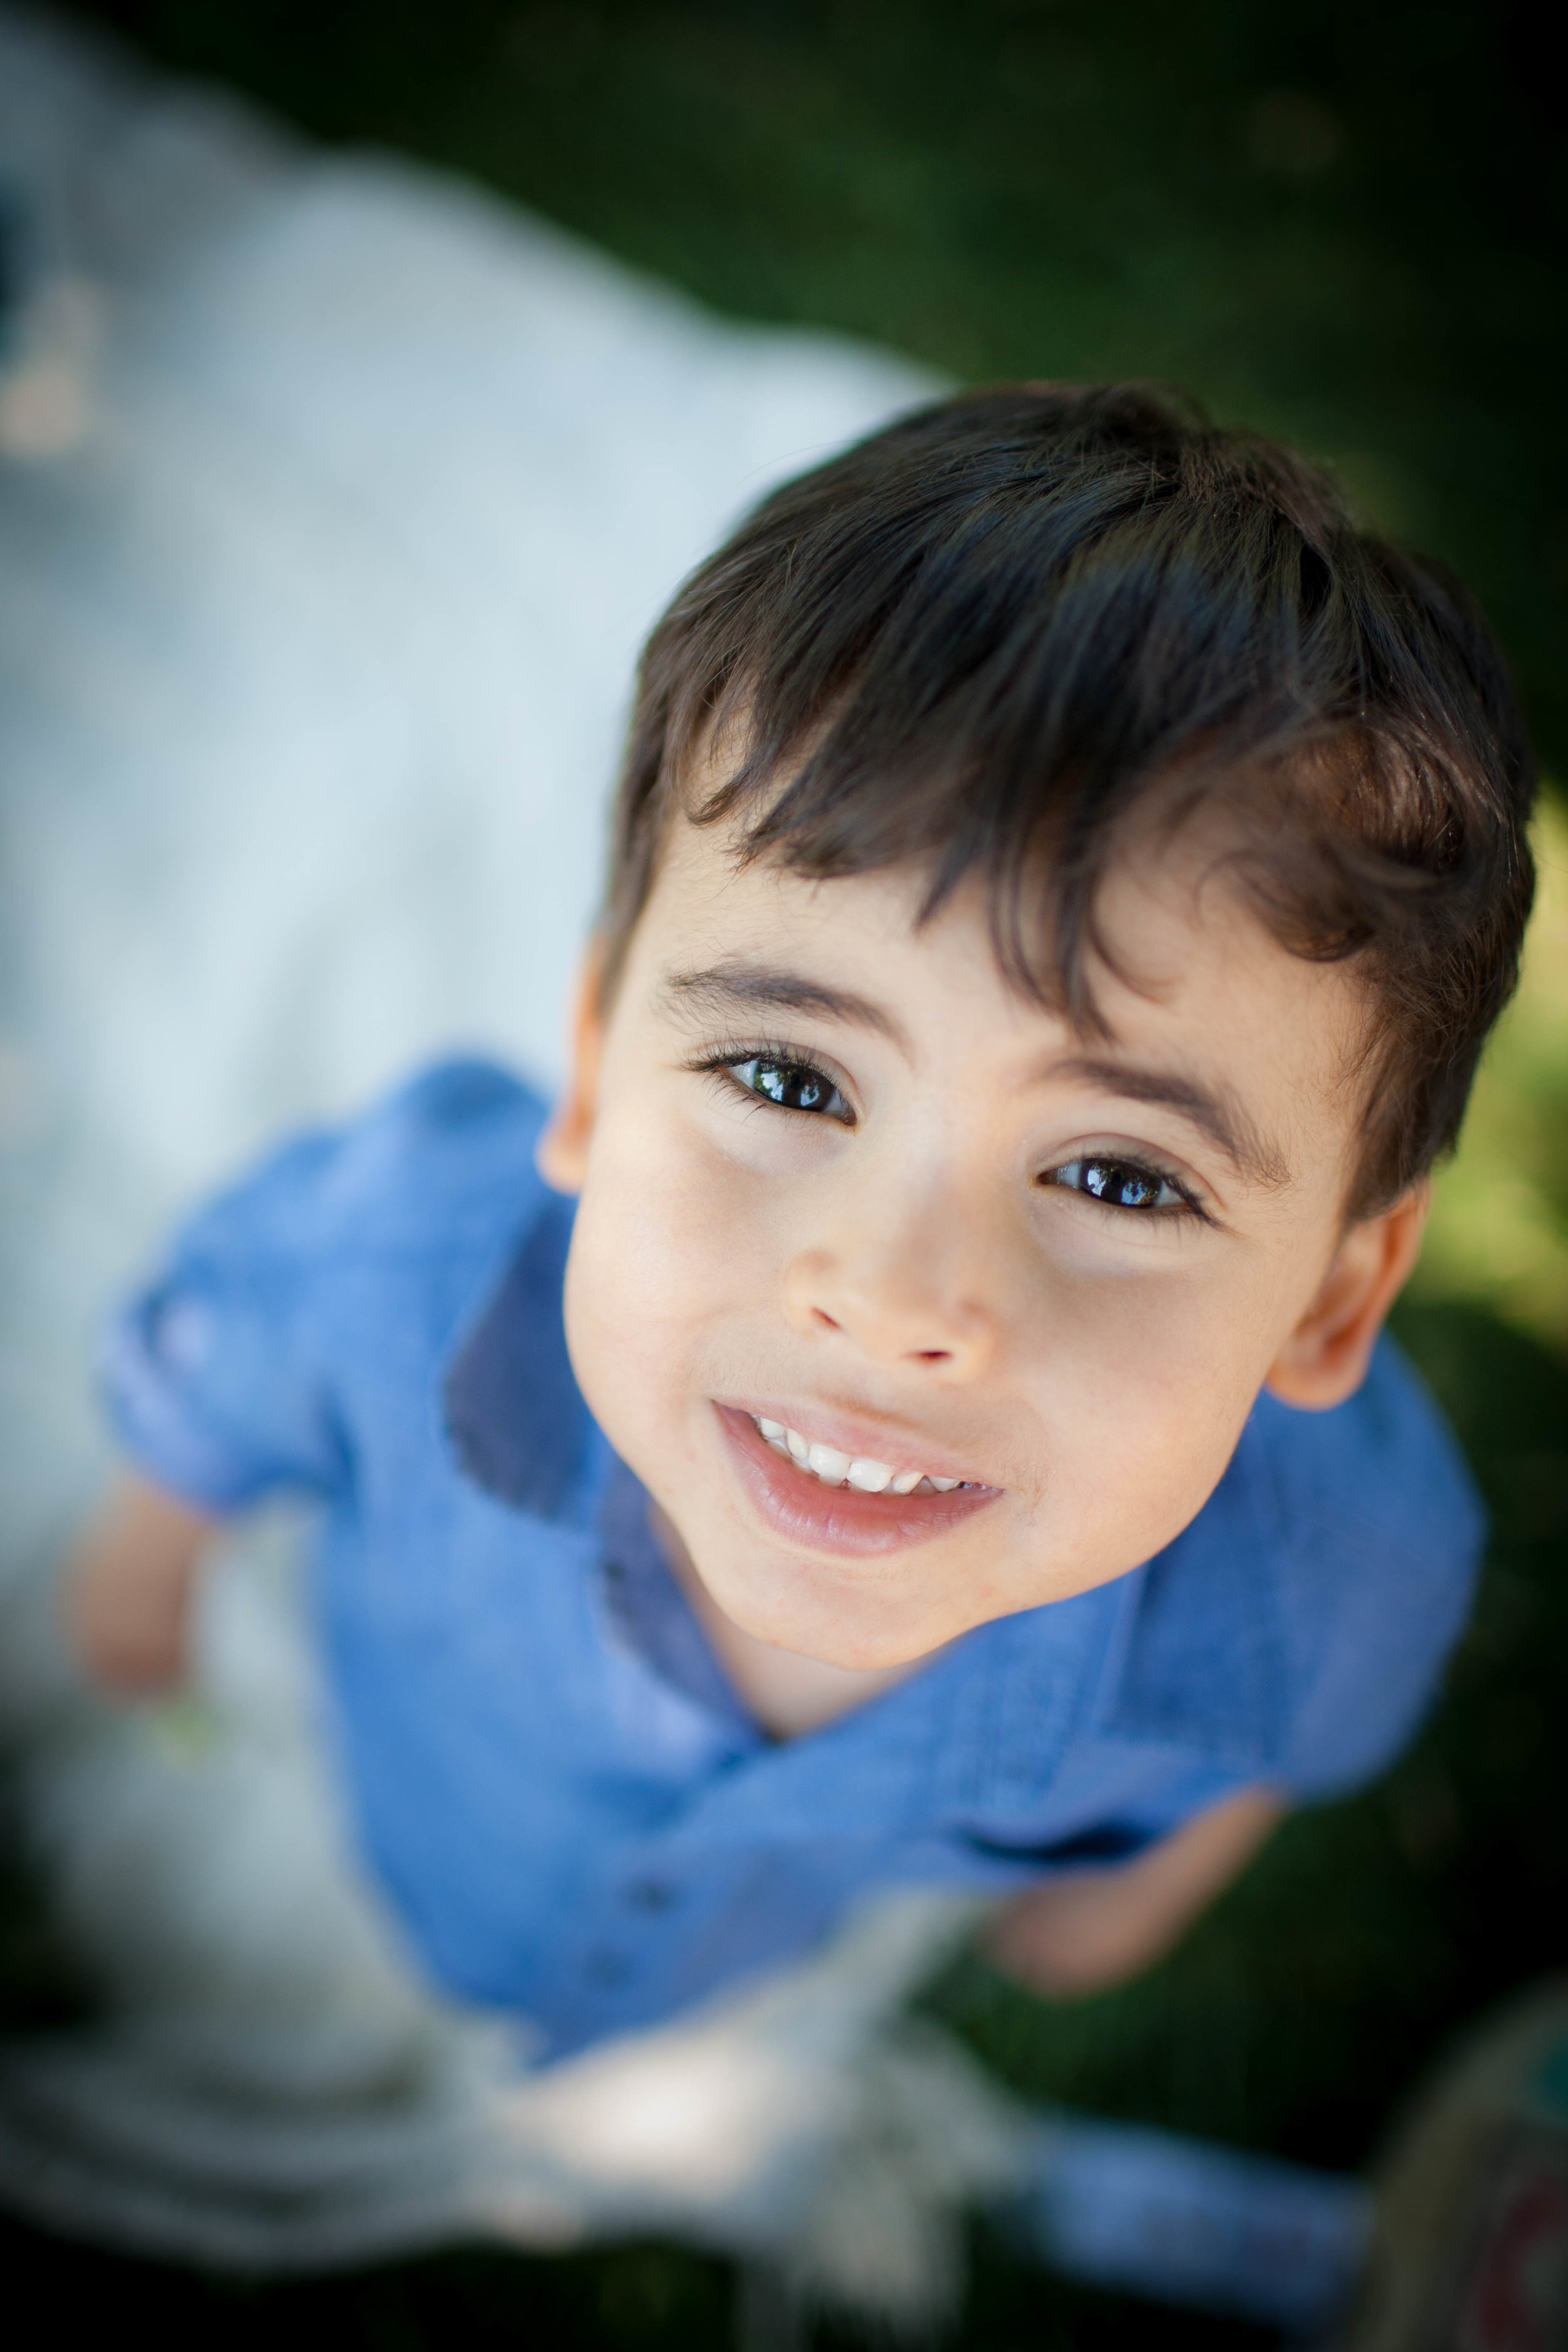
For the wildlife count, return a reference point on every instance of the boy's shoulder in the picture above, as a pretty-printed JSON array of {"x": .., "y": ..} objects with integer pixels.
[
  {"x": 441, "y": 1160},
  {"x": 319, "y": 1295},
  {"x": 1302, "y": 1618},
  {"x": 1384, "y": 1465}
]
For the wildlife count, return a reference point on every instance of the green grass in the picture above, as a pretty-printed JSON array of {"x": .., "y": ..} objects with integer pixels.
[
  {"x": 1498, "y": 1235},
  {"x": 1339, "y": 222}
]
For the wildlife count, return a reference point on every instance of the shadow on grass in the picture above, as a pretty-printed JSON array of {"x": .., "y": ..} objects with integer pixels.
[{"x": 1295, "y": 2017}]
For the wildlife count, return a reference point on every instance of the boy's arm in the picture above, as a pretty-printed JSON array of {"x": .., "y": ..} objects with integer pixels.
[
  {"x": 126, "y": 1593},
  {"x": 1096, "y": 1926}
]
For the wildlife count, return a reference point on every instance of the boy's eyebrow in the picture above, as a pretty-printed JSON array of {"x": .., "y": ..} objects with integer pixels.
[
  {"x": 735, "y": 986},
  {"x": 1214, "y": 1110}
]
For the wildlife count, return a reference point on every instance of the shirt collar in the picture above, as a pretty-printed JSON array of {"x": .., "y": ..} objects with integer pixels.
[
  {"x": 651, "y": 1611},
  {"x": 515, "y": 1416},
  {"x": 520, "y": 1430}
]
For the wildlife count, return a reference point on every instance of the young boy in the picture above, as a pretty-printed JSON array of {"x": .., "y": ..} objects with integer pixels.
[{"x": 914, "y": 1411}]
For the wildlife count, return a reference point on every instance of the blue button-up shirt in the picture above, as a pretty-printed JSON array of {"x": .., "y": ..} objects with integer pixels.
[{"x": 570, "y": 1808}]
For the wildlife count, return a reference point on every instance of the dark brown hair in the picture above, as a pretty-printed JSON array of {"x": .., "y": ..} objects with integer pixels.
[{"x": 983, "y": 637}]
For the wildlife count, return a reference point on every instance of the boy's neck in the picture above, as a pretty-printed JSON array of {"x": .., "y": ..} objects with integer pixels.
[{"x": 787, "y": 1694}]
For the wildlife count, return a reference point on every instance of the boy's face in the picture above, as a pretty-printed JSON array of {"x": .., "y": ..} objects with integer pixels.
[{"x": 839, "y": 1179}]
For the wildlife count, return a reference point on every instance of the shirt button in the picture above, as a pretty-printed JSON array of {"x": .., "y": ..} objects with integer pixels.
[
  {"x": 651, "y": 1894},
  {"x": 606, "y": 1969}
]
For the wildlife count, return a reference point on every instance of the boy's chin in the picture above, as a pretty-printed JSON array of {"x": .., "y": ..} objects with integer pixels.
[{"x": 792, "y": 1608}]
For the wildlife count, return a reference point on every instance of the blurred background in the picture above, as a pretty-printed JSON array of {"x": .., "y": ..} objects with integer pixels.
[{"x": 1343, "y": 223}]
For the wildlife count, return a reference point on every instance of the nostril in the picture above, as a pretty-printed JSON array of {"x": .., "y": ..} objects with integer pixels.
[{"x": 933, "y": 1355}]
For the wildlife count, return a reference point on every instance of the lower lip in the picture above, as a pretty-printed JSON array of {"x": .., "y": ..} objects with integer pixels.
[{"x": 801, "y": 1510}]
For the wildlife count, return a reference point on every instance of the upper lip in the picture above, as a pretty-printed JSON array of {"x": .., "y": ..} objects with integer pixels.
[{"x": 863, "y": 1439}]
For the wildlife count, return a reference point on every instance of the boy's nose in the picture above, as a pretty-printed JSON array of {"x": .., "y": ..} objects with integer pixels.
[{"x": 894, "y": 1307}]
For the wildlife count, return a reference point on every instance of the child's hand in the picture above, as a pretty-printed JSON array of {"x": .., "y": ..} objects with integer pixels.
[
  {"x": 126, "y": 1596},
  {"x": 127, "y": 1632}
]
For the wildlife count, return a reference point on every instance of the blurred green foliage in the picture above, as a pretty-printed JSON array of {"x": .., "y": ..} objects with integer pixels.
[
  {"x": 1341, "y": 223},
  {"x": 1499, "y": 1234}
]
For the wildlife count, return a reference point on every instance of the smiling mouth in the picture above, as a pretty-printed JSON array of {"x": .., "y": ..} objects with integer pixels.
[
  {"x": 831, "y": 1468},
  {"x": 813, "y": 1494}
]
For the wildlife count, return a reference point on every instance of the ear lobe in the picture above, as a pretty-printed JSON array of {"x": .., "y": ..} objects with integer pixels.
[
  {"x": 560, "y": 1155},
  {"x": 1324, "y": 1360}
]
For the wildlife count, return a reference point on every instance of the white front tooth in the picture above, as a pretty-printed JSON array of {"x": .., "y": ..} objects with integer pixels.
[
  {"x": 770, "y": 1429},
  {"x": 797, "y": 1445},
  {"x": 871, "y": 1476},
  {"x": 907, "y": 1484},
  {"x": 944, "y": 1485},
  {"x": 830, "y": 1467}
]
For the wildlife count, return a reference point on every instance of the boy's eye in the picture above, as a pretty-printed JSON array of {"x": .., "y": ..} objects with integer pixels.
[
  {"x": 1120, "y": 1183},
  {"x": 794, "y": 1086}
]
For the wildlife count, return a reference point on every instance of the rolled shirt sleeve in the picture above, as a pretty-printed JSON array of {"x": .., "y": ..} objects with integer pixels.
[{"x": 214, "y": 1372}]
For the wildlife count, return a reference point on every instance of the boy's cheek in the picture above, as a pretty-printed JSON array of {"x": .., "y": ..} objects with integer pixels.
[
  {"x": 657, "y": 1256},
  {"x": 688, "y": 1229},
  {"x": 1115, "y": 1404}
]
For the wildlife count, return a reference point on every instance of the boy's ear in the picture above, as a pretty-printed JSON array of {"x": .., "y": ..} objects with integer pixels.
[
  {"x": 560, "y": 1155},
  {"x": 1325, "y": 1359}
]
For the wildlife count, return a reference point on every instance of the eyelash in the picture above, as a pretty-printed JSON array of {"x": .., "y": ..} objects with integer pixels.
[
  {"x": 1183, "y": 1206},
  {"x": 723, "y": 1061}
]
